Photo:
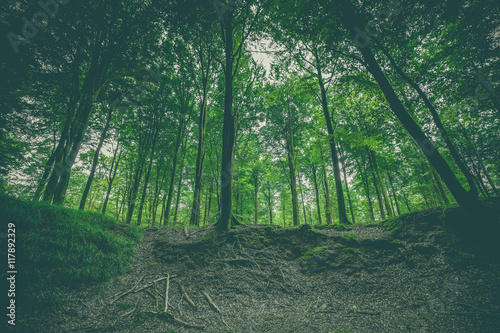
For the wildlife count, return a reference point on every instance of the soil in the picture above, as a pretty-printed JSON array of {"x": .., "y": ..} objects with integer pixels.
[{"x": 272, "y": 279}]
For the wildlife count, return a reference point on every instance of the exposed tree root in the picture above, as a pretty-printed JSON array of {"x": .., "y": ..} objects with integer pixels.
[
  {"x": 212, "y": 304},
  {"x": 185, "y": 295}
]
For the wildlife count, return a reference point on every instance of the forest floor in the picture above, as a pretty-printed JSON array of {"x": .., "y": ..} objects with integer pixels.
[{"x": 364, "y": 278}]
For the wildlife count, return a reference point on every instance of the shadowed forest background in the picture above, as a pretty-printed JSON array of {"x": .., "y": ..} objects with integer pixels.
[{"x": 157, "y": 115}]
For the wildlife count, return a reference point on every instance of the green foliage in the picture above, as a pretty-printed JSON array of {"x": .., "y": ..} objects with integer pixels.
[{"x": 60, "y": 246}]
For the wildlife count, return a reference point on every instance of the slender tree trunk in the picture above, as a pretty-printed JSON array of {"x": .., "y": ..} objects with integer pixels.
[
  {"x": 336, "y": 169},
  {"x": 133, "y": 190},
  {"x": 284, "y": 211},
  {"x": 366, "y": 185},
  {"x": 405, "y": 199},
  {"x": 228, "y": 131},
  {"x": 302, "y": 198},
  {"x": 45, "y": 176},
  {"x": 163, "y": 203},
  {"x": 318, "y": 207},
  {"x": 269, "y": 202},
  {"x": 256, "y": 200},
  {"x": 207, "y": 210},
  {"x": 184, "y": 148},
  {"x": 375, "y": 182},
  {"x": 96, "y": 158},
  {"x": 393, "y": 192},
  {"x": 293, "y": 180},
  {"x": 148, "y": 173},
  {"x": 174, "y": 170},
  {"x": 381, "y": 183},
  {"x": 328, "y": 204},
  {"x": 112, "y": 175},
  {"x": 200, "y": 158},
  {"x": 440, "y": 186},
  {"x": 342, "y": 153}
]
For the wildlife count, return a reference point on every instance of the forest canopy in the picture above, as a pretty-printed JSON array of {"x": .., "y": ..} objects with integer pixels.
[{"x": 250, "y": 111}]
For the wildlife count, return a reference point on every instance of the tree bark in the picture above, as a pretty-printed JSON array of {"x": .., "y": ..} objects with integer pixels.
[
  {"x": 112, "y": 175},
  {"x": 178, "y": 198},
  {"x": 178, "y": 142},
  {"x": 314, "y": 171},
  {"x": 336, "y": 169},
  {"x": 228, "y": 131},
  {"x": 375, "y": 182},
  {"x": 148, "y": 172},
  {"x": 200, "y": 158},
  {"x": 328, "y": 204},
  {"x": 393, "y": 192}
]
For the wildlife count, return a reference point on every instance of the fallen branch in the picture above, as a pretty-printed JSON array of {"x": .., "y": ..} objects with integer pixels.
[
  {"x": 134, "y": 290},
  {"x": 186, "y": 232},
  {"x": 166, "y": 294},
  {"x": 185, "y": 295},
  {"x": 212, "y": 304}
]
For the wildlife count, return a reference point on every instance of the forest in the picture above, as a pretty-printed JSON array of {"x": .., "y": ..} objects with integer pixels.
[{"x": 211, "y": 117}]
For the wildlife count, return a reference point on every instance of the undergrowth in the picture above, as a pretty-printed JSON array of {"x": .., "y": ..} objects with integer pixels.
[{"x": 57, "y": 246}]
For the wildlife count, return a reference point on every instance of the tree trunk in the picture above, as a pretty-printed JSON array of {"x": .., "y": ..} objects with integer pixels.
[
  {"x": 132, "y": 196},
  {"x": 328, "y": 204},
  {"x": 148, "y": 173},
  {"x": 174, "y": 170},
  {"x": 200, "y": 158},
  {"x": 366, "y": 185},
  {"x": 228, "y": 132},
  {"x": 314, "y": 171},
  {"x": 184, "y": 148},
  {"x": 393, "y": 192},
  {"x": 303, "y": 202},
  {"x": 269, "y": 203},
  {"x": 112, "y": 175},
  {"x": 293, "y": 180},
  {"x": 342, "y": 153},
  {"x": 336, "y": 169},
  {"x": 96, "y": 158},
  {"x": 256, "y": 200},
  {"x": 375, "y": 182},
  {"x": 381, "y": 183}
]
